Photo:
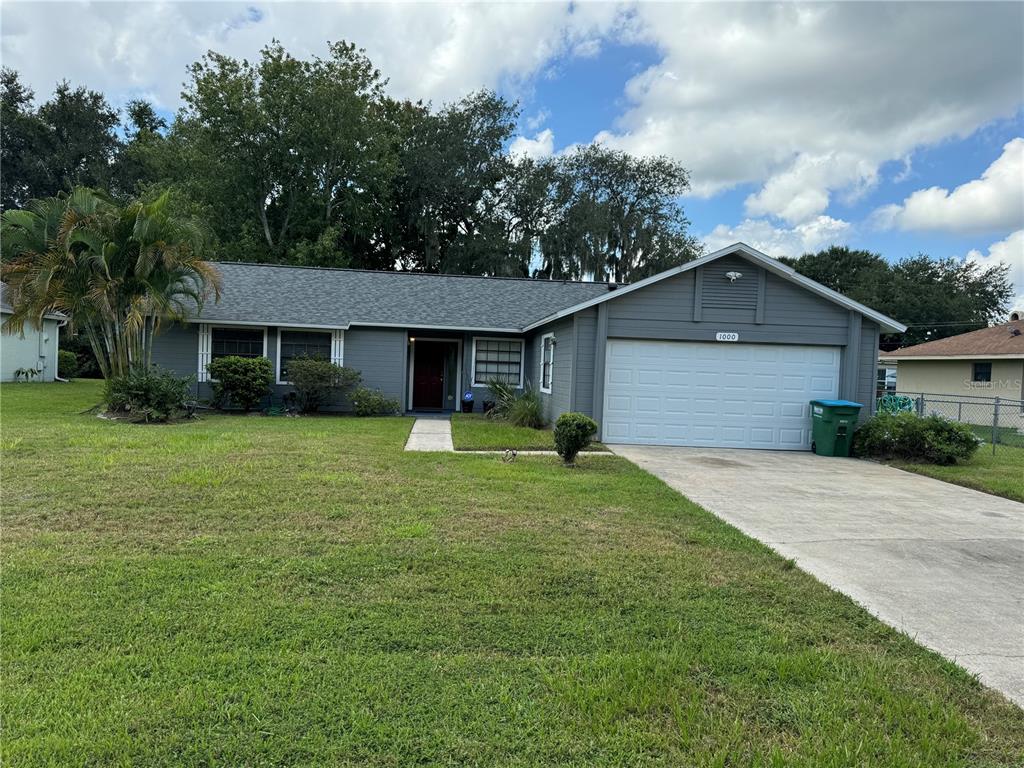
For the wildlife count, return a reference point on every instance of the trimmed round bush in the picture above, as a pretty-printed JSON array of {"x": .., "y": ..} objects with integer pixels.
[
  {"x": 317, "y": 381},
  {"x": 573, "y": 433},
  {"x": 373, "y": 402},
  {"x": 907, "y": 436},
  {"x": 240, "y": 381},
  {"x": 67, "y": 364}
]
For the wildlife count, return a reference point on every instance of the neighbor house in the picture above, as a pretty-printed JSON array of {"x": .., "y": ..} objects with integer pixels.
[
  {"x": 974, "y": 367},
  {"x": 32, "y": 354},
  {"x": 726, "y": 350}
]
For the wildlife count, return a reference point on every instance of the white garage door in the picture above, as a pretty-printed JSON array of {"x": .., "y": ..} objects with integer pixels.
[{"x": 723, "y": 394}]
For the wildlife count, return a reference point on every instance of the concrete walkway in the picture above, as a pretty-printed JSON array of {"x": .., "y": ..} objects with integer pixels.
[
  {"x": 431, "y": 433},
  {"x": 942, "y": 563}
]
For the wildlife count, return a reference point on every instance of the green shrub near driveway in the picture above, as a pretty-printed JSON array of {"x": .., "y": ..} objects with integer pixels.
[
  {"x": 240, "y": 381},
  {"x": 573, "y": 433},
  {"x": 317, "y": 381},
  {"x": 147, "y": 395},
  {"x": 906, "y": 436}
]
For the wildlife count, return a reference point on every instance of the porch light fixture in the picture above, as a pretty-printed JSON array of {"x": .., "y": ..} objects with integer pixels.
[{"x": 732, "y": 277}]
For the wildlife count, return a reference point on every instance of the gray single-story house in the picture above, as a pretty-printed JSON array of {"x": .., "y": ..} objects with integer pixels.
[
  {"x": 726, "y": 350},
  {"x": 33, "y": 349}
]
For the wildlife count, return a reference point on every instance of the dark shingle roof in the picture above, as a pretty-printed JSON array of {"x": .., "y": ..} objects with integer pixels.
[{"x": 279, "y": 295}]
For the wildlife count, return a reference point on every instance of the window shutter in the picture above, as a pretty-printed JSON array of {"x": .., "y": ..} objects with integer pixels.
[
  {"x": 338, "y": 347},
  {"x": 205, "y": 347}
]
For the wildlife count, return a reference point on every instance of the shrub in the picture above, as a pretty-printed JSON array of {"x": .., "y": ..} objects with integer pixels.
[
  {"x": 67, "y": 364},
  {"x": 373, "y": 402},
  {"x": 932, "y": 439},
  {"x": 148, "y": 395},
  {"x": 573, "y": 433},
  {"x": 317, "y": 380},
  {"x": 240, "y": 381},
  {"x": 523, "y": 408}
]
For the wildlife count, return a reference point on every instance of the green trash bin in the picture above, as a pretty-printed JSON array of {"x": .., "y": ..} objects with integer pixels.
[{"x": 832, "y": 425}]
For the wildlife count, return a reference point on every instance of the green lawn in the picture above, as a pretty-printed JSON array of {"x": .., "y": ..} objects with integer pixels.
[
  {"x": 293, "y": 591},
  {"x": 476, "y": 432},
  {"x": 1001, "y": 474}
]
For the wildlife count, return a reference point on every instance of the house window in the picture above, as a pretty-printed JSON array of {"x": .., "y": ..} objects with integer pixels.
[
  {"x": 237, "y": 342},
  {"x": 886, "y": 381},
  {"x": 981, "y": 372},
  {"x": 500, "y": 359},
  {"x": 301, "y": 344},
  {"x": 547, "y": 361}
]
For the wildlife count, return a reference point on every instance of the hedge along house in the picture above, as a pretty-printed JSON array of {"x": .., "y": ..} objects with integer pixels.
[{"x": 724, "y": 351}]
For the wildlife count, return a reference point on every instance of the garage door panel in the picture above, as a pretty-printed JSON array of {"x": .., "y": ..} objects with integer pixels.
[{"x": 708, "y": 394}]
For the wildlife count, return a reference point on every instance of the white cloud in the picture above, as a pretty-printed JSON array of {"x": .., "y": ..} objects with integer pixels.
[
  {"x": 993, "y": 202},
  {"x": 801, "y": 192},
  {"x": 811, "y": 99},
  {"x": 1010, "y": 252},
  {"x": 540, "y": 146},
  {"x": 761, "y": 234},
  {"x": 806, "y": 101},
  {"x": 430, "y": 51}
]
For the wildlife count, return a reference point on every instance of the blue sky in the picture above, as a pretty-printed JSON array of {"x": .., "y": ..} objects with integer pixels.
[{"x": 893, "y": 127}]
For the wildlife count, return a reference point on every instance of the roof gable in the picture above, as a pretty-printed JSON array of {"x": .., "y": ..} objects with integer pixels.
[{"x": 762, "y": 260}]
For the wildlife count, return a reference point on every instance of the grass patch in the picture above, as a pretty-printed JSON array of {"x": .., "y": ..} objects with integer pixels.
[
  {"x": 277, "y": 591},
  {"x": 476, "y": 432},
  {"x": 1001, "y": 474}
]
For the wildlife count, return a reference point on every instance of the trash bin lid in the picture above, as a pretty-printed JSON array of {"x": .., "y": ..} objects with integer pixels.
[{"x": 840, "y": 403}]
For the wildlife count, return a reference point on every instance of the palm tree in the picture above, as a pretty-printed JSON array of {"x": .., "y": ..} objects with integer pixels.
[{"x": 118, "y": 272}]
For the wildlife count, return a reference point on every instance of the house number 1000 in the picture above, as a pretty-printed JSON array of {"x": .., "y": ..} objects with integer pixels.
[{"x": 727, "y": 336}]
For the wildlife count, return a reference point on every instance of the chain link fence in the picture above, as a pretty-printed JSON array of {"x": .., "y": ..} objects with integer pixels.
[{"x": 996, "y": 420}]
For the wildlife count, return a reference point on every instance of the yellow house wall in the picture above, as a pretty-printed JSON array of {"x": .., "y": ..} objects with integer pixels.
[{"x": 953, "y": 377}]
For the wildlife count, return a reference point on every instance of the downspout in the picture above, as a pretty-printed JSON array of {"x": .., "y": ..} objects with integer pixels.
[{"x": 56, "y": 352}]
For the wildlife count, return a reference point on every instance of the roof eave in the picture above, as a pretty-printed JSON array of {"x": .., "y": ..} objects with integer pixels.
[{"x": 971, "y": 356}]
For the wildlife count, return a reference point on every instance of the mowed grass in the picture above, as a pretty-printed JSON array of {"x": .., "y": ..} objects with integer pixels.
[
  {"x": 275, "y": 592},
  {"x": 1001, "y": 473},
  {"x": 476, "y": 432}
]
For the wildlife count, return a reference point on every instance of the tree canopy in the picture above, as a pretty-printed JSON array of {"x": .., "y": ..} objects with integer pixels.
[
  {"x": 116, "y": 271},
  {"x": 934, "y": 298},
  {"x": 310, "y": 162}
]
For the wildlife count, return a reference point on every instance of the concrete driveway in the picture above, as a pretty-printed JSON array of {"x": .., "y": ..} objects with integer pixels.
[{"x": 942, "y": 563}]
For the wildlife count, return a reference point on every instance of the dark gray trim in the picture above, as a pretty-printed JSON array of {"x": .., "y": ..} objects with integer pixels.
[
  {"x": 600, "y": 345},
  {"x": 762, "y": 282},
  {"x": 698, "y": 293}
]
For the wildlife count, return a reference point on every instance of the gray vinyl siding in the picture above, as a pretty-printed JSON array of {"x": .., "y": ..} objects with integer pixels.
[
  {"x": 559, "y": 400},
  {"x": 585, "y": 360},
  {"x": 867, "y": 377},
  {"x": 176, "y": 349},
  {"x": 379, "y": 355},
  {"x": 665, "y": 311}
]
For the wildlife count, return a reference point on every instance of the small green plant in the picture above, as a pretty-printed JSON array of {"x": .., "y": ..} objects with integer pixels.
[
  {"x": 317, "y": 381},
  {"x": 240, "y": 381},
  {"x": 522, "y": 408},
  {"x": 930, "y": 440},
  {"x": 573, "y": 433},
  {"x": 67, "y": 364},
  {"x": 147, "y": 395},
  {"x": 373, "y": 402}
]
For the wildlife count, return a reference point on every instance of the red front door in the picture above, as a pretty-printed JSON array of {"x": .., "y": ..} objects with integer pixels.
[{"x": 428, "y": 375}]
